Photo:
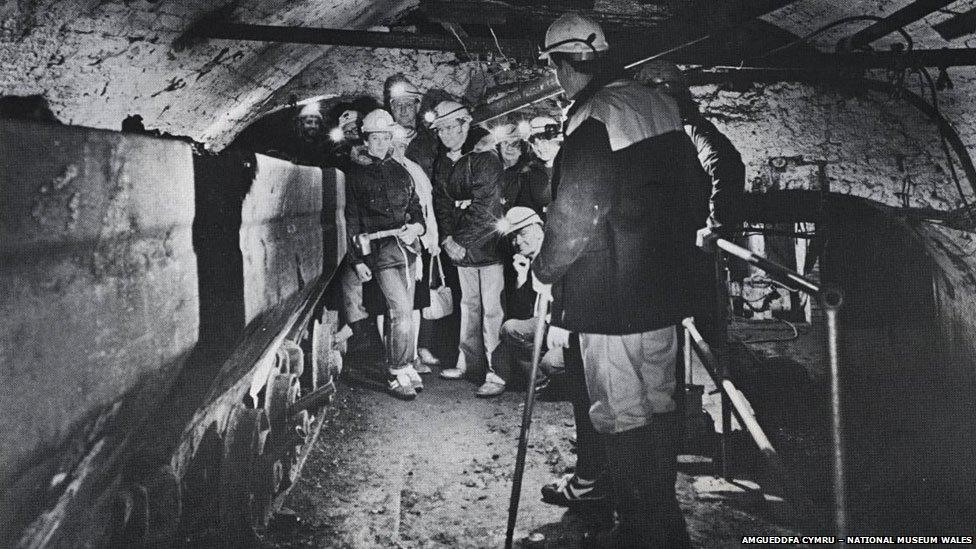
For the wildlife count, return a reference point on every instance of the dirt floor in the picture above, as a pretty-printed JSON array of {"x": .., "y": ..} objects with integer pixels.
[{"x": 437, "y": 472}]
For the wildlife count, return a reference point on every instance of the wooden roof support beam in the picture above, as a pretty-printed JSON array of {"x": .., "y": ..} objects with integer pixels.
[
  {"x": 958, "y": 25},
  {"x": 909, "y": 14}
]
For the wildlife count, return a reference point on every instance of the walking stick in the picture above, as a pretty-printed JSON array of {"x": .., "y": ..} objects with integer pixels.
[{"x": 541, "y": 311}]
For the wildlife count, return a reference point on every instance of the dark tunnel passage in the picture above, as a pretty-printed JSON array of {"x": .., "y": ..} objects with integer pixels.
[
  {"x": 907, "y": 384},
  {"x": 909, "y": 395}
]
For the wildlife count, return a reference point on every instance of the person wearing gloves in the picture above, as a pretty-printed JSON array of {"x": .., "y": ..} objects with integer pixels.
[
  {"x": 430, "y": 248},
  {"x": 467, "y": 201},
  {"x": 380, "y": 196},
  {"x": 616, "y": 241}
]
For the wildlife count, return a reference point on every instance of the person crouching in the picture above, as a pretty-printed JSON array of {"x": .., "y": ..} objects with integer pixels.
[
  {"x": 380, "y": 196},
  {"x": 524, "y": 227}
]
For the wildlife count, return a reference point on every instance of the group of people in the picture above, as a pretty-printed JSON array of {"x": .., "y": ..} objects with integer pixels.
[
  {"x": 427, "y": 191},
  {"x": 596, "y": 214}
]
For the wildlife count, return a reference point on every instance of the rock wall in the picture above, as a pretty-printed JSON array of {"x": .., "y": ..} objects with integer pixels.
[
  {"x": 798, "y": 136},
  {"x": 99, "y": 62}
]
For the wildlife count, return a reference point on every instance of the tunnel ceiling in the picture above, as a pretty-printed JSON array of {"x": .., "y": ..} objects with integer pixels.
[{"x": 98, "y": 62}]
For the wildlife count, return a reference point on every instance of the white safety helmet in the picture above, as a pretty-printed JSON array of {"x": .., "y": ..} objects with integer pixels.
[
  {"x": 378, "y": 121},
  {"x": 518, "y": 218},
  {"x": 576, "y": 35},
  {"x": 505, "y": 132},
  {"x": 404, "y": 89},
  {"x": 447, "y": 112},
  {"x": 310, "y": 109}
]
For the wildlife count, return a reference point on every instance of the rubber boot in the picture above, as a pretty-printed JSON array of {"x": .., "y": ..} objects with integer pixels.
[
  {"x": 365, "y": 352},
  {"x": 643, "y": 466},
  {"x": 361, "y": 337}
]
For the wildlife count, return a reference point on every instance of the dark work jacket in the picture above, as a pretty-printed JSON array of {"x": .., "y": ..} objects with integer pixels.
[
  {"x": 527, "y": 184},
  {"x": 379, "y": 196},
  {"x": 723, "y": 164},
  {"x": 629, "y": 194},
  {"x": 475, "y": 176},
  {"x": 423, "y": 149}
]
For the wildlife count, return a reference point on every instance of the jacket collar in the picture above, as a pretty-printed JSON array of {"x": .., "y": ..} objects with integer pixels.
[{"x": 361, "y": 156}]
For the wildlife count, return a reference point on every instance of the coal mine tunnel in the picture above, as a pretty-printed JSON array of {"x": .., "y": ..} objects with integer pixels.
[{"x": 725, "y": 247}]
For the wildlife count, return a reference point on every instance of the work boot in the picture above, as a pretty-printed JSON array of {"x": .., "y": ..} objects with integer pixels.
[
  {"x": 365, "y": 344},
  {"x": 642, "y": 465},
  {"x": 361, "y": 339},
  {"x": 400, "y": 385}
]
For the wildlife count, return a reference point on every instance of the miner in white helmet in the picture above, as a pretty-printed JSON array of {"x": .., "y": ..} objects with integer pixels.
[
  {"x": 403, "y": 99},
  {"x": 618, "y": 234},
  {"x": 418, "y": 146},
  {"x": 467, "y": 200},
  {"x": 380, "y": 196},
  {"x": 309, "y": 125}
]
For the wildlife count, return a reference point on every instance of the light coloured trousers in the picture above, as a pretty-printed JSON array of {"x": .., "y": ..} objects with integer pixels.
[
  {"x": 481, "y": 314},
  {"x": 629, "y": 377}
]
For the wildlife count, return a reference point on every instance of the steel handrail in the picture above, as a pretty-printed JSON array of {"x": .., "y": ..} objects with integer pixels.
[
  {"x": 832, "y": 300},
  {"x": 742, "y": 411}
]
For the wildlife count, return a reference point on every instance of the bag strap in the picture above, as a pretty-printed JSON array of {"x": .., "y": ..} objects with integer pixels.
[{"x": 440, "y": 271}]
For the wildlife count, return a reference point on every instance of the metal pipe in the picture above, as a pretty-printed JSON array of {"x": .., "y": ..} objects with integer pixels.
[
  {"x": 721, "y": 363},
  {"x": 366, "y": 39},
  {"x": 775, "y": 270},
  {"x": 909, "y": 14},
  {"x": 525, "y": 95},
  {"x": 741, "y": 408},
  {"x": 832, "y": 301}
]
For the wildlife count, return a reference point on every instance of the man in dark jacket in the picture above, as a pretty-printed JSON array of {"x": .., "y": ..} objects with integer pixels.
[
  {"x": 545, "y": 137},
  {"x": 526, "y": 178},
  {"x": 617, "y": 236},
  {"x": 723, "y": 164},
  {"x": 381, "y": 197},
  {"x": 402, "y": 99},
  {"x": 467, "y": 202},
  {"x": 717, "y": 155}
]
